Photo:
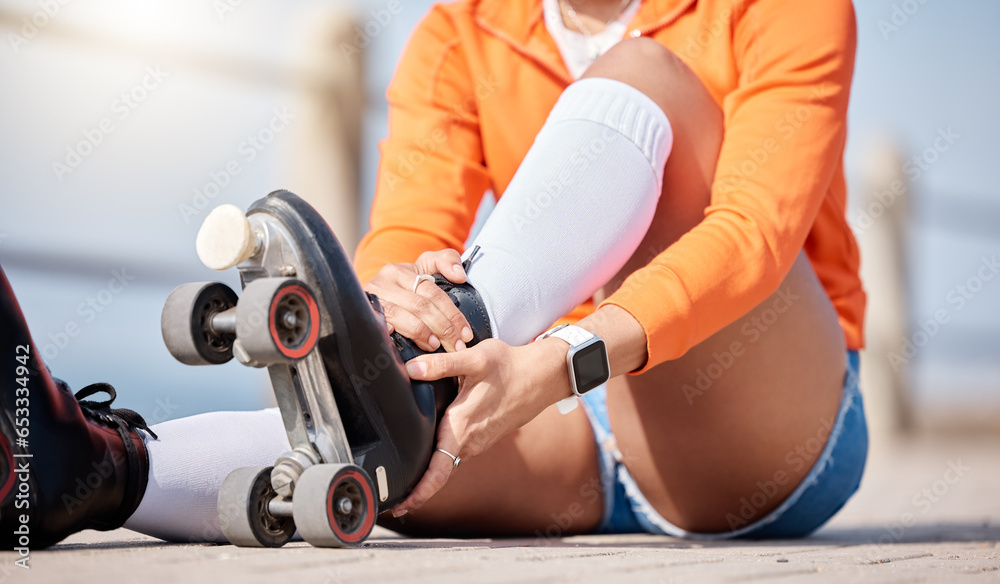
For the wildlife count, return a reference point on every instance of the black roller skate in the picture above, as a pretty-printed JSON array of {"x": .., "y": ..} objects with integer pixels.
[{"x": 361, "y": 431}]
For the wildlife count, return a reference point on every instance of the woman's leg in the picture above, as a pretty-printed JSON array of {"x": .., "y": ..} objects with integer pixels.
[
  {"x": 691, "y": 460},
  {"x": 698, "y": 449},
  {"x": 188, "y": 463},
  {"x": 575, "y": 210}
]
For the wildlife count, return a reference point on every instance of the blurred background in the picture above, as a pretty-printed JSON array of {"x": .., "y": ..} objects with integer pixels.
[{"x": 122, "y": 123}]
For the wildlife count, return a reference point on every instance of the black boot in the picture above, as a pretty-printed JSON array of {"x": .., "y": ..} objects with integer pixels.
[{"x": 67, "y": 463}]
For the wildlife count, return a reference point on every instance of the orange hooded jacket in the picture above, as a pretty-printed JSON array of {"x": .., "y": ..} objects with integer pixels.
[{"x": 479, "y": 77}]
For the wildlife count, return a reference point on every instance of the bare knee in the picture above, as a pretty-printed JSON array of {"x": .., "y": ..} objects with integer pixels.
[
  {"x": 673, "y": 86},
  {"x": 632, "y": 60}
]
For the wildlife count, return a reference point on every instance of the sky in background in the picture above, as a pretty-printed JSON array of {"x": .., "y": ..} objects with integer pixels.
[
  {"x": 61, "y": 241},
  {"x": 919, "y": 74}
]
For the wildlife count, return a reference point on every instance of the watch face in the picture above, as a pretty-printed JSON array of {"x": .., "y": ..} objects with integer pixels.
[{"x": 590, "y": 365}]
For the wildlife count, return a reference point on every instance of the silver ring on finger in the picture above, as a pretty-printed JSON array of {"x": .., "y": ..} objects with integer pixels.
[
  {"x": 457, "y": 459},
  {"x": 421, "y": 278}
]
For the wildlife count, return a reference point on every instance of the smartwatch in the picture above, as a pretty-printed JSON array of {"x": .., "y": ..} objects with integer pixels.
[{"x": 587, "y": 361}]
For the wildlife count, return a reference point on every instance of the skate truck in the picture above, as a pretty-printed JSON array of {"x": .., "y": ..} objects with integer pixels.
[{"x": 361, "y": 433}]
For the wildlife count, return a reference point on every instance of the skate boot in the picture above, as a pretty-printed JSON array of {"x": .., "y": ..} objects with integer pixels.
[
  {"x": 66, "y": 463},
  {"x": 361, "y": 432}
]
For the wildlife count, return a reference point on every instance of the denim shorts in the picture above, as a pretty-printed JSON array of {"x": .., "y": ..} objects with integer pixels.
[{"x": 834, "y": 477}]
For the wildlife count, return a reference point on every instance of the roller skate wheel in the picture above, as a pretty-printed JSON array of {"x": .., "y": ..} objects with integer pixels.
[
  {"x": 187, "y": 323},
  {"x": 277, "y": 320},
  {"x": 225, "y": 238},
  {"x": 244, "y": 510},
  {"x": 334, "y": 505}
]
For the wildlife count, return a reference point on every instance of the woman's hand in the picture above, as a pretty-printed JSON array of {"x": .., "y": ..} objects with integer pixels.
[
  {"x": 426, "y": 315},
  {"x": 501, "y": 388}
]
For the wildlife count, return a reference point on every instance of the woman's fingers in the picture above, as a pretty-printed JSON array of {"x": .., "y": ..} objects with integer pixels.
[
  {"x": 446, "y": 262},
  {"x": 437, "y": 314},
  {"x": 398, "y": 284},
  {"x": 409, "y": 325},
  {"x": 438, "y": 470},
  {"x": 441, "y": 365}
]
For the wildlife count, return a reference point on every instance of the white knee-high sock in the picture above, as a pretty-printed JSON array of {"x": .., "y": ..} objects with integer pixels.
[
  {"x": 575, "y": 211},
  {"x": 188, "y": 464}
]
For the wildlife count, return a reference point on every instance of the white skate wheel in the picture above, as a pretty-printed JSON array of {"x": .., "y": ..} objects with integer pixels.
[
  {"x": 334, "y": 505},
  {"x": 225, "y": 238},
  {"x": 243, "y": 508},
  {"x": 277, "y": 321},
  {"x": 186, "y": 323}
]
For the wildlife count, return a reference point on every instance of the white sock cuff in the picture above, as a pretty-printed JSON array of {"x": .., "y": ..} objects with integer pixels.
[{"x": 622, "y": 108}]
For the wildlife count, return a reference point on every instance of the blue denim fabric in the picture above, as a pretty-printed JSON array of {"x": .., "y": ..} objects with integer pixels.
[{"x": 834, "y": 477}]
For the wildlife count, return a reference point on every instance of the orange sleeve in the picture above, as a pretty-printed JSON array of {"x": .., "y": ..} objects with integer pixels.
[
  {"x": 784, "y": 139},
  {"x": 431, "y": 175}
]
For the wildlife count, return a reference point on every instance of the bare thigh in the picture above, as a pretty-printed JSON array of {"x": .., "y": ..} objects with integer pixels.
[
  {"x": 703, "y": 433},
  {"x": 739, "y": 414},
  {"x": 541, "y": 480}
]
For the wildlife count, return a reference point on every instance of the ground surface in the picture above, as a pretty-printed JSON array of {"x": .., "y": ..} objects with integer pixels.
[{"x": 953, "y": 534}]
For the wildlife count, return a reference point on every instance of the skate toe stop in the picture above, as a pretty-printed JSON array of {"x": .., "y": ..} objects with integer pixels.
[{"x": 225, "y": 238}]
